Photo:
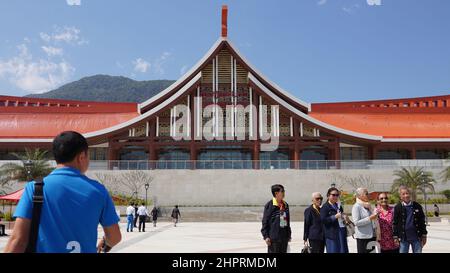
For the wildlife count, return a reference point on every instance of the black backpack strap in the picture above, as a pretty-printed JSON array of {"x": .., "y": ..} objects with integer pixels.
[{"x": 38, "y": 200}]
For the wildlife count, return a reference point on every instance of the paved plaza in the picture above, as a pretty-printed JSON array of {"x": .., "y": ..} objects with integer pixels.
[{"x": 231, "y": 237}]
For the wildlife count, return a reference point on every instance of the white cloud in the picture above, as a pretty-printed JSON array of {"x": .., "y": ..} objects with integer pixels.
[
  {"x": 160, "y": 61},
  {"x": 351, "y": 9},
  {"x": 321, "y": 2},
  {"x": 70, "y": 35},
  {"x": 52, "y": 51},
  {"x": 374, "y": 2},
  {"x": 34, "y": 76},
  {"x": 141, "y": 65},
  {"x": 183, "y": 69},
  {"x": 73, "y": 2}
]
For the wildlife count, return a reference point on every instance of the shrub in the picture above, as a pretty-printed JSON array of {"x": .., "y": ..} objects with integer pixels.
[
  {"x": 8, "y": 216},
  {"x": 446, "y": 193}
]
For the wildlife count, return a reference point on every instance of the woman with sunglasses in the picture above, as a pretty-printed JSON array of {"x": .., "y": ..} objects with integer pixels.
[
  {"x": 385, "y": 217},
  {"x": 334, "y": 230},
  {"x": 312, "y": 231}
]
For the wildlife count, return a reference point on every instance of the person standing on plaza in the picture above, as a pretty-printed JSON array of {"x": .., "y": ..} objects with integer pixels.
[
  {"x": 136, "y": 215},
  {"x": 331, "y": 215},
  {"x": 276, "y": 227},
  {"x": 130, "y": 217},
  {"x": 154, "y": 215},
  {"x": 73, "y": 206},
  {"x": 385, "y": 217},
  {"x": 436, "y": 210},
  {"x": 143, "y": 213},
  {"x": 409, "y": 228},
  {"x": 175, "y": 214},
  {"x": 313, "y": 230},
  {"x": 364, "y": 218}
]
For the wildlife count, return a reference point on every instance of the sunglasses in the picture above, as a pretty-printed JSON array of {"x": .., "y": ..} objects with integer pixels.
[
  {"x": 334, "y": 194},
  {"x": 383, "y": 198},
  {"x": 319, "y": 198}
]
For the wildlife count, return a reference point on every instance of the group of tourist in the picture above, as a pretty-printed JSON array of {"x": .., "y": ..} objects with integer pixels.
[
  {"x": 134, "y": 213},
  {"x": 379, "y": 228}
]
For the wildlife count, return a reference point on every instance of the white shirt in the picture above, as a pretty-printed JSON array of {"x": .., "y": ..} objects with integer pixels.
[
  {"x": 130, "y": 210},
  {"x": 142, "y": 211}
]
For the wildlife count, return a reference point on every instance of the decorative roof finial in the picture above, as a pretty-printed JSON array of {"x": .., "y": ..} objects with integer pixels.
[{"x": 224, "y": 20}]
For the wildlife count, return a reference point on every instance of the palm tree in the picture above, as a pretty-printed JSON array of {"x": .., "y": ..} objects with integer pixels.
[
  {"x": 445, "y": 175},
  {"x": 16, "y": 171},
  {"x": 414, "y": 178}
]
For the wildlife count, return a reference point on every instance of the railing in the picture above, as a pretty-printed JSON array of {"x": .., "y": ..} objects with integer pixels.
[
  {"x": 266, "y": 164},
  {"x": 260, "y": 164}
]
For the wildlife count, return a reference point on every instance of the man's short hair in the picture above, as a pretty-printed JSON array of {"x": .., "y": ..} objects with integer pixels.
[
  {"x": 277, "y": 188},
  {"x": 314, "y": 194},
  {"x": 403, "y": 187},
  {"x": 67, "y": 145}
]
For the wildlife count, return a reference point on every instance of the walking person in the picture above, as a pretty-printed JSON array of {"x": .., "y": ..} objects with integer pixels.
[
  {"x": 436, "y": 210},
  {"x": 409, "y": 226},
  {"x": 2, "y": 226},
  {"x": 154, "y": 215},
  {"x": 365, "y": 220},
  {"x": 136, "y": 215},
  {"x": 175, "y": 214},
  {"x": 143, "y": 213},
  {"x": 276, "y": 227},
  {"x": 73, "y": 206},
  {"x": 332, "y": 215},
  {"x": 313, "y": 231},
  {"x": 385, "y": 218},
  {"x": 130, "y": 217}
]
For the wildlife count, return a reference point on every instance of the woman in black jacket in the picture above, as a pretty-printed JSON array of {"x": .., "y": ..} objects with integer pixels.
[
  {"x": 335, "y": 233},
  {"x": 313, "y": 231}
]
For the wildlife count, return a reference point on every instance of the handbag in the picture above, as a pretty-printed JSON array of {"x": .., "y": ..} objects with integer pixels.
[
  {"x": 306, "y": 249},
  {"x": 350, "y": 226}
]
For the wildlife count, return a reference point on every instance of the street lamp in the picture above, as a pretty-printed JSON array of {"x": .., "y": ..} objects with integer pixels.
[
  {"x": 422, "y": 176},
  {"x": 28, "y": 164},
  {"x": 146, "y": 189},
  {"x": 333, "y": 185}
]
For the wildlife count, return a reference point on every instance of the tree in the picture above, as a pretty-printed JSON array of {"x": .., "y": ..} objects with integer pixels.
[
  {"x": 134, "y": 181},
  {"x": 414, "y": 178},
  {"x": 41, "y": 167},
  {"x": 445, "y": 175}
]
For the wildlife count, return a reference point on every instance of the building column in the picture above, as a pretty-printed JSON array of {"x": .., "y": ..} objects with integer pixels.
[
  {"x": 112, "y": 155},
  {"x": 256, "y": 149},
  {"x": 413, "y": 153}
]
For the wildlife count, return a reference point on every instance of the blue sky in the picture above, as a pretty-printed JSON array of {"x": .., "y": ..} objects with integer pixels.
[{"x": 319, "y": 50}]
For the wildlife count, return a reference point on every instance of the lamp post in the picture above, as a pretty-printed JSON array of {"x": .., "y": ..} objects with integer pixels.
[
  {"x": 146, "y": 190},
  {"x": 28, "y": 164},
  {"x": 333, "y": 185},
  {"x": 424, "y": 197}
]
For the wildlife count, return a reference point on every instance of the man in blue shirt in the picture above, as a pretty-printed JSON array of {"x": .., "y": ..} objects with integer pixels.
[{"x": 73, "y": 205}]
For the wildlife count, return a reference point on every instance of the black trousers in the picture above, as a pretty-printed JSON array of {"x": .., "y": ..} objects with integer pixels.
[
  {"x": 361, "y": 245},
  {"x": 142, "y": 222},
  {"x": 2, "y": 227},
  {"x": 317, "y": 246},
  {"x": 135, "y": 219},
  {"x": 278, "y": 247}
]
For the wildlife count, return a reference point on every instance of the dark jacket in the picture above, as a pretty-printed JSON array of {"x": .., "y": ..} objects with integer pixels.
[
  {"x": 271, "y": 223},
  {"x": 175, "y": 213},
  {"x": 399, "y": 221},
  {"x": 313, "y": 229},
  {"x": 329, "y": 221},
  {"x": 154, "y": 214}
]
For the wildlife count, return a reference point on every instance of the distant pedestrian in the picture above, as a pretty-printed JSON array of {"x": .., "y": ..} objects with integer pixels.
[
  {"x": 130, "y": 217},
  {"x": 2, "y": 226},
  {"x": 143, "y": 213},
  {"x": 154, "y": 215},
  {"x": 175, "y": 214},
  {"x": 136, "y": 215},
  {"x": 276, "y": 228},
  {"x": 436, "y": 210}
]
